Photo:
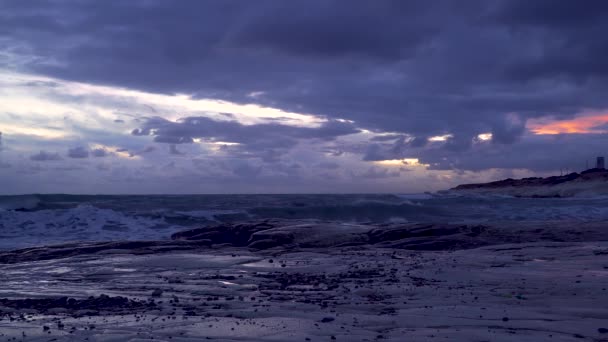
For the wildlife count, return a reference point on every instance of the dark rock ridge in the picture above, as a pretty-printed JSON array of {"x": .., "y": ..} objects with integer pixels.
[
  {"x": 86, "y": 248},
  {"x": 235, "y": 234},
  {"x": 591, "y": 175},
  {"x": 284, "y": 235},
  {"x": 101, "y": 302},
  {"x": 275, "y": 233}
]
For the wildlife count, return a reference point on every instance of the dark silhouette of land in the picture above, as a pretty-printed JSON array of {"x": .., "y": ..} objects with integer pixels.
[{"x": 554, "y": 186}]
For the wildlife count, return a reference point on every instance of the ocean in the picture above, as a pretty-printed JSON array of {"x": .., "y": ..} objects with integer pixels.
[{"x": 34, "y": 220}]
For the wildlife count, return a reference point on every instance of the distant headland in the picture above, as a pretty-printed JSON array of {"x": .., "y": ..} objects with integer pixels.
[{"x": 591, "y": 182}]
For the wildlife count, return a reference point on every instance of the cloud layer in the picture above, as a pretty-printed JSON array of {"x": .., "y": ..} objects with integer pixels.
[{"x": 301, "y": 92}]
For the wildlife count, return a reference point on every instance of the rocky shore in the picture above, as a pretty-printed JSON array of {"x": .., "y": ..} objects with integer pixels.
[{"x": 303, "y": 280}]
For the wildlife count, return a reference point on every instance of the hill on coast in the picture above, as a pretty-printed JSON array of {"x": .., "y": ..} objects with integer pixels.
[{"x": 592, "y": 182}]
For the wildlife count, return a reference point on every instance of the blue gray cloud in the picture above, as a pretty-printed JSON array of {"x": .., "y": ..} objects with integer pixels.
[
  {"x": 382, "y": 77},
  {"x": 78, "y": 152},
  {"x": 43, "y": 156},
  {"x": 414, "y": 67}
]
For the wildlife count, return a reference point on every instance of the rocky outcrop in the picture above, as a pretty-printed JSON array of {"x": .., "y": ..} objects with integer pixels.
[
  {"x": 312, "y": 234},
  {"x": 284, "y": 235},
  {"x": 74, "y": 249},
  {"x": 237, "y": 235}
]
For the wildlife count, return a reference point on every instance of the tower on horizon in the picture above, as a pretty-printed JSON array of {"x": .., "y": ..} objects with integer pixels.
[{"x": 600, "y": 163}]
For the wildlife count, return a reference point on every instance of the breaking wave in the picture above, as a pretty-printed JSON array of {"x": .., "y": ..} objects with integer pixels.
[
  {"x": 19, "y": 202},
  {"x": 48, "y": 219}
]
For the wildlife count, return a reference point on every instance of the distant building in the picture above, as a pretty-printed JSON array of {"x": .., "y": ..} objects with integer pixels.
[{"x": 600, "y": 163}]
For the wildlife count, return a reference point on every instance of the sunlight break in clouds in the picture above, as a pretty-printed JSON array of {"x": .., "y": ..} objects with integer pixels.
[
  {"x": 441, "y": 137},
  {"x": 17, "y": 98},
  {"x": 413, "y": 162},
  {"x": 485, "y": 136}
]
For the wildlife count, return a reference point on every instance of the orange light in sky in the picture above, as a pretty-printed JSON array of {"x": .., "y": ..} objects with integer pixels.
[{"x": 591, "y": 123}]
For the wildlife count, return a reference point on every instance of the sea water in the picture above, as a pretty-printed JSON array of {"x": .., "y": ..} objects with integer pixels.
[{"x": 33, "y": 220}]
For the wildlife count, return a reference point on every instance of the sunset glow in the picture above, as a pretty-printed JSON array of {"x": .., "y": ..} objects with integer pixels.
[{"x": 593, "y": 123}]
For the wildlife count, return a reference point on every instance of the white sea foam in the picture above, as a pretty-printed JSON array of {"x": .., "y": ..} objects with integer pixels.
[
  {"x": 61, "y": 218},
  {"x": 83, "y": 223}
]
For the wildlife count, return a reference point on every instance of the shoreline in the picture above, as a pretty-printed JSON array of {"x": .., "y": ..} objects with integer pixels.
[{"x": 589, "y": 183}]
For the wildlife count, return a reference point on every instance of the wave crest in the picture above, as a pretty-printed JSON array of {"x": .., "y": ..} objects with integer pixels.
[{"x": 19, "y": 202}]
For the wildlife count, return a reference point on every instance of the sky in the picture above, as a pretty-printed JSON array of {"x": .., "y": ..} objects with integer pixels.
[{"x": 317, "y": 96}]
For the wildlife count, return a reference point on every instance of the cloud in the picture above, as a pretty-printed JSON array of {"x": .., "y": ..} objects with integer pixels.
[
  {"x": 246, "y": 170},
  {"x": 374, "y": 84},
  {"x": 265, "y": 141},
  {"x": 187, "y": 129},
  {"x": 78, "y": 153},
  {"x": 146, "y": 150},
  {"x": 99, "y": 152},
  {"x": 397, "y": 149},
  {"x": 508, "y": 129},
  {"x": 328, "y": 165},
  {"x": 281, "y": 27},
  {"x": 533, "y": 152},
  {"x": 377, "y": 173},
  {"x": 45, "y": 156},
  {"x": 418, "y": 68},
  {"x": 174, "y": 151}
]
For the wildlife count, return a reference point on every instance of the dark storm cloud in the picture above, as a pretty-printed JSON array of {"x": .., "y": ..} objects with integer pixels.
[
  {"x": 334, "y": 29},
  {"x": 397, "y": 149},
  {"x": 572, "y": 34},
  {"x": 509, "y": 130},
  {"x": 78, "y": 152},
  {"x": 45, "y": 156},
  {"x": 408, "y": 67},
  {"x": 263, "y": 140}
]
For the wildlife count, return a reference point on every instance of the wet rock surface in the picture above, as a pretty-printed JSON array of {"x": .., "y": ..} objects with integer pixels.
[
  {"x": 356, "y": 293},
  {"x": 237, "y": 235},
  {"x": 284, "y": 233},
  {"x": 314, "y": 281},
  {"x": 74, "y": 249}
]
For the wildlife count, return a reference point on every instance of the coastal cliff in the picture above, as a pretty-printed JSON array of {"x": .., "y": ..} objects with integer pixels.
[{"x": 591, "y": 182}]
